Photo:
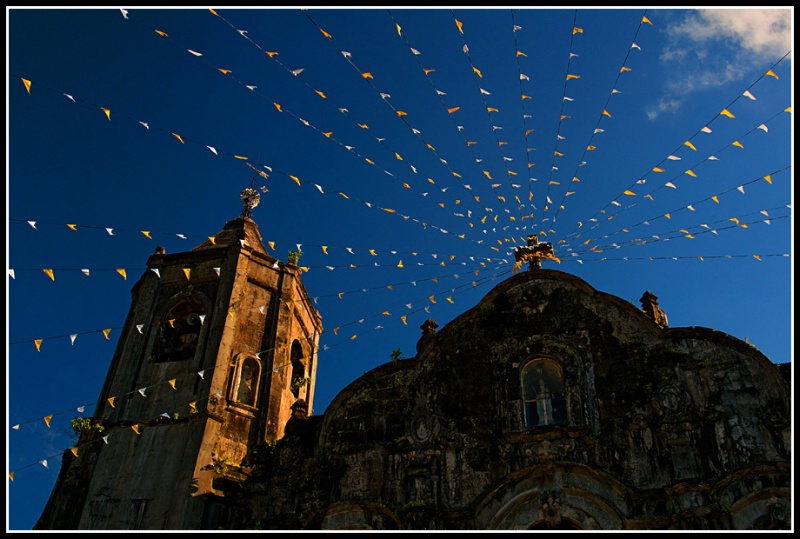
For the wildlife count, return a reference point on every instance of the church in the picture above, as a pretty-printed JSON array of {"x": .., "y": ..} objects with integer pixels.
[{"x": 548, "y": 406}]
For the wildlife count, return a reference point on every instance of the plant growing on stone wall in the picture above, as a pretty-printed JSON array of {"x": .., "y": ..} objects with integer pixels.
[
  {"x": 85, "y": 425},
  {"x": 294, "y": 256},
  {"x": 297, "y": 383},
  {"x": 395, "y": 355}
]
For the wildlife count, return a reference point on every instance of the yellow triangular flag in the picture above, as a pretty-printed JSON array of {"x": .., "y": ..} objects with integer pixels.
[
  {"x": 121, "y": 271},
  {"x": 106, "y": 332},
  {"x": 726, "y": 112},
  {"x": 295, "y": 178},
  {"x": 691, "y": 173},
  {"x": 459, "y": 24},
  {"x": 576, "y": 30},
  {"x": 72, "y": 227},
  {"x": 146, "y": 234},
  {"x": 645, "y": 19},
  {"x": 768, "y": 178},
  {"x": 771, "y": 73},
  {"x": 271, "y": 245},
  {"x": 224, "y": 71},
  {"x": 108, "y": 113},
  {"x": 27, "y": 84},
  {"x": 400, "y": 264},
  {"x": 172, "y": 383},
  {"x": 47, "y": 419},
  {"x": 38, "y": 343},
  {"x": 432, "y": 299},
  {"x": 737, "y": 143},
  {"x": 658, "y": 169},
  {"x": 11, "y": 476},
  {"x": 367, "y": 75},
  {"x": 177, "y": 136},
  {"x": 213, "y": 240},
  {"x": 715, "y": 199},
  {"x": 49, "y": 273},
  {"x": 111, "y": 401},
  {"x": 629, "y": 192},
  {"x": 187, "y": 272},
  {"x": 74, "y": 451},
  {"x": 667, "y": 216},
  {"x": 193, "y": 407},
  {"x": 135, "y": 429},
  {"x": 571, "y": 76},
  {"x": 403, "y": 318},
  {"x": 689, "y": 144},
  {"x": 453, "y": 109},
  {"x": 607, "y": 113}
]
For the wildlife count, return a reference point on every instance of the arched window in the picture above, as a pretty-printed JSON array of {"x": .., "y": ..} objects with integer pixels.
[
  {"x": 179, "y": 333},
  {"x": 246, "y": 378},
  {"x": 298, "y": 369},
  {"x": 543, "y": 393}
]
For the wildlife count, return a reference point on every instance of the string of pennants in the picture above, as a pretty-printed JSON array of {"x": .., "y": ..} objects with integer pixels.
[
  {"x": 329, "y": 134},
  {"x": 692, "y": 207},
  {"x": 576, "y": 30},
  {"x": 106, "y": 332},
  {"x": 688, "y": 143},
  {"x": 264, "y": 170},
  {"x": 137, "y": 427},
  {"x": 591, "y": 145}
]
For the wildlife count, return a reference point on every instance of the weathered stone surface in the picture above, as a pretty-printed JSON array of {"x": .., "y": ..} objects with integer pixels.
[{"x": 683, "y": 428}]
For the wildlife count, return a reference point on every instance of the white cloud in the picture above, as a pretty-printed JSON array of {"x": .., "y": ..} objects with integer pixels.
[
  {"x": 767, "y": 33},
  {"x": 712, "y": 47},
  {"x": 663, "y": 105}
]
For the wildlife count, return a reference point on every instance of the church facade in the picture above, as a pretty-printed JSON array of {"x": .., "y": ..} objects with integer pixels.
[{"x": 549, "y": 405}]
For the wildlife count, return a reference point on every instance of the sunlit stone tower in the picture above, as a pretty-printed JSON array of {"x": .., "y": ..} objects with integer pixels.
[{"x": 218, "y": 351}]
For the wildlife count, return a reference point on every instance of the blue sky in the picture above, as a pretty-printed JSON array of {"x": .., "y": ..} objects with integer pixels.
[{"x": 397, "y": 132}]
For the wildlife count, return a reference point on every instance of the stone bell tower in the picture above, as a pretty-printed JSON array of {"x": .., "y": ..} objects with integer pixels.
[{"x": 220, "y": 342}]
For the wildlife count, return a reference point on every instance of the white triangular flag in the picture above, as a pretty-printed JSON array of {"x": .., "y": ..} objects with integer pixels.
[
  {"x": 43, "y": 463},
  {"x": 80, "y": 409},
  {"x": 33, "y": 225},
  {"x": 141, "y": 392},
  {"x": 155, "y": 270},
  {"x": 72, "y": 338},
  {"x": 200, "y": 374},
  {"x": 105, "y": 439},
  {"x": 11, "y": 273},
  {"x": 110, "y": 231},
  {"x": 181, "y": 236},
  {"x": 216, "y": 270},
  {"x": 85, "y": 271}
]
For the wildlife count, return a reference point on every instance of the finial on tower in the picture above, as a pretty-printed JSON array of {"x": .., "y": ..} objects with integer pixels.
[
  {"x": 534, "y": 252},
  {"x": 250, "y": 199}
]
